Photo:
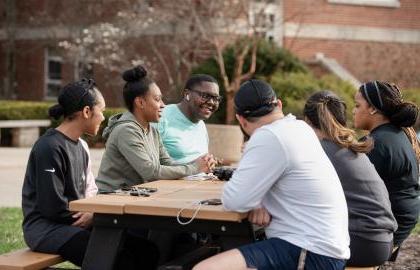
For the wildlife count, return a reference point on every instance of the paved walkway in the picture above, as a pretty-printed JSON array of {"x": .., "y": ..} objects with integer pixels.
[{"x": 12, "y": 171}]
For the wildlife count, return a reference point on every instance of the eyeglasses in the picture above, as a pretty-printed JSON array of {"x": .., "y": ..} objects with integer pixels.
[{"x": 207, "y": 97}]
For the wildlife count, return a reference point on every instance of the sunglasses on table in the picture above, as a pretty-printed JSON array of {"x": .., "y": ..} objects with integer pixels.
[{"x": 207, "y": 97}]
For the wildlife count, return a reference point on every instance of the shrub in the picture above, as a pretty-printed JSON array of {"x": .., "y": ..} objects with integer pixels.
[
  {"x": 21, "y": 110},
  {"x": 294, "y": 89},
  {"x": 413, "y": 95},
  {"x": 270, "y": 58}
]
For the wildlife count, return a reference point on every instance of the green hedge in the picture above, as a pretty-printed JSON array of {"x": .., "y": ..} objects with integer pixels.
[
  {"x": 413, "y": 95},
  {"x": 21, "y": 110},
  {"x": 295, "y": 88}
]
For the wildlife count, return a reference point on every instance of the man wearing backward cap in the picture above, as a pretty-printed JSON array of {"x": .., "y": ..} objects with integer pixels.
[{"x": 287, "y": 184}]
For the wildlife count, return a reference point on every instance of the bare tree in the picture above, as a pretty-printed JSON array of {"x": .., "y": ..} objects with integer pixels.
[
  {"x": 234, "y": 19},
  {"x": 179, "y": 34}
]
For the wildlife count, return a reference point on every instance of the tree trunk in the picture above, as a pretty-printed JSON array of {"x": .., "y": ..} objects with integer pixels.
[
  {"x": 10, "y": 80},
  {"x": 230, "y": 108}
]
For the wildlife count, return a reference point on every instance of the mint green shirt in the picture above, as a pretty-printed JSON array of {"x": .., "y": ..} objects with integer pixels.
[{"x": 184, "y": 140}]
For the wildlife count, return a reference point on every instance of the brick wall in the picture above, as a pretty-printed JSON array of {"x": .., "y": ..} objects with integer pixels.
[
  {"x": 30, "y": 70},
  {"x": 393, "y": 62},
  {"x": 366, "y": 60},
  {"x": 321, "y": 11},
  {"x": 53, "y": 12}
]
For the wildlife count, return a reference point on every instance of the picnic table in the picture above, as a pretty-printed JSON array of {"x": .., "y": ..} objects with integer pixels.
[{"x": 114, "y": 213}]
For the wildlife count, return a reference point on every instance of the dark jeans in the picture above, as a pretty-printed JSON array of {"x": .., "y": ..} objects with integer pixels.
[
  {"x": 365, "y": 253},
  {"x": 275, "y": 253},
  {"x": 135, "y": 252}
]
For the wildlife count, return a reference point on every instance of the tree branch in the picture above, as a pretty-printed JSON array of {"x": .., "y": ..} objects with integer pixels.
[
  {"x": 161, "y": 60},
  {"x": 253, "y": 65},
  {"x": 222, "y": 68}
]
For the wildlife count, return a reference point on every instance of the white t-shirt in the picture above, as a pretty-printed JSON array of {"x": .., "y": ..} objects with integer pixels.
[
  {"x": 285, "y": 169},
  {"x": 91, "y": 188}
]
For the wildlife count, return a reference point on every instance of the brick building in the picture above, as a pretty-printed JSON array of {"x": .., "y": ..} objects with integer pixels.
[{"x": 371, "y": 39}]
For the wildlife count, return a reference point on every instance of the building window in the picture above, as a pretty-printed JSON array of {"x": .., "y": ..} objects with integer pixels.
[
  {"x": 264, "y": 16},
  {"x": 378, "y": 3},
  {"x": 53, "y": 74}
]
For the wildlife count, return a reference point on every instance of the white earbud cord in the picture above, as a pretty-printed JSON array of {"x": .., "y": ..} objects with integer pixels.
[{"x": 178, "y": 216}]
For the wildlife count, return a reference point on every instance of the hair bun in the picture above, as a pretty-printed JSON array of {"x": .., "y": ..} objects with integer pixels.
[
  {"x": 405, "y": 115},
  {"x": 135, "y": 74},
  {"x": 56, "y": 111}
]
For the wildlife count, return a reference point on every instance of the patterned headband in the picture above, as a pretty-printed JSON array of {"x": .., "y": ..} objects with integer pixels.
[{"x": 373, "y": 95}]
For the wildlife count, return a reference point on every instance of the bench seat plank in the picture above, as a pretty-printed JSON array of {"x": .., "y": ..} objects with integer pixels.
[
  {"x": 24, "y": 123},
  {"x": 25, "y": 259}
]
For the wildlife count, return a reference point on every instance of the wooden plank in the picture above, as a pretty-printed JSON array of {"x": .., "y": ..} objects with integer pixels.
[
  {"x": 168, "y": 186},
  {"x": 108, "y": 204},
  {"x": 184, "y": 195},
  {"x": 170, "y": 208},
  {"x": 26, "y": 259},
  {"x": 24, "y": 123},
  {"x": 211, "y": 185},
  {"x": 189, "y": 195},
  {"x": 171, "y": 197}
]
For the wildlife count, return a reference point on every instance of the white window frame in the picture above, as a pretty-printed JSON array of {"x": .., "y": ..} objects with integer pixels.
[
  {"x": 272, "y": 29},
  {"x": 376, "y": 3},
  {"x": 47, "y": 80}
]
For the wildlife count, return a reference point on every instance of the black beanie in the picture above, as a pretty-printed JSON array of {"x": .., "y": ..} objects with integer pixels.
[{"x": 255, "y": 98}]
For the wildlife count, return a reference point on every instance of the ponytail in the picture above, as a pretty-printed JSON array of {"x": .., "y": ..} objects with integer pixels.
[{"x": 327, "y": 112}]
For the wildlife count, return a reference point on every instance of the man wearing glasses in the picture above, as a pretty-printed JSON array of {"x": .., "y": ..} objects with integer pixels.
[
  {"x": 181, "y": 126},
  {"x": 185, "y": 137}
]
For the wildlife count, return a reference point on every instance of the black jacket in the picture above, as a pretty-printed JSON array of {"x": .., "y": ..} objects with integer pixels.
[{"x": 396, "y": 163}]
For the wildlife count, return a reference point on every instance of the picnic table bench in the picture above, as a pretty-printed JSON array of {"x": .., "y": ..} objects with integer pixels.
[
  {"x": 24, "y": 132},
  {"x": 25, "y": 259}
]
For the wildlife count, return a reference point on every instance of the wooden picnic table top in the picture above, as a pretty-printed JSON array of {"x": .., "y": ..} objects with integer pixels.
[{"x": 171, "y": 196}]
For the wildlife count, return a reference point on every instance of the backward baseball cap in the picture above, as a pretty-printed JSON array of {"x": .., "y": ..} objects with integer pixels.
[{"x": 255, "y": 98}]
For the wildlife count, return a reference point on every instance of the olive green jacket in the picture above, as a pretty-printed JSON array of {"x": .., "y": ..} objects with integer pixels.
[{"x": 134, "y": 155}]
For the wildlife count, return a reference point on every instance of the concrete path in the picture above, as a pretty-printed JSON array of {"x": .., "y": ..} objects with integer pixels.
[{"x": 12, "y": 171}]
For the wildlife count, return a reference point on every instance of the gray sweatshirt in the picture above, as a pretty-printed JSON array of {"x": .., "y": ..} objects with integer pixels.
[
  {"x": 370, "y": 215},
  {"x": 134, "y": 156}
]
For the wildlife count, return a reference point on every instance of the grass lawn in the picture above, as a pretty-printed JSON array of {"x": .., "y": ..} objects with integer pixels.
[{"x": 11, "y": 236}]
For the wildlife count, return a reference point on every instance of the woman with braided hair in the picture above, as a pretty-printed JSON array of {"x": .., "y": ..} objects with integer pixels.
[
  {"x": 381, "y": 110},
  {"x": 371, "y": 223}
]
